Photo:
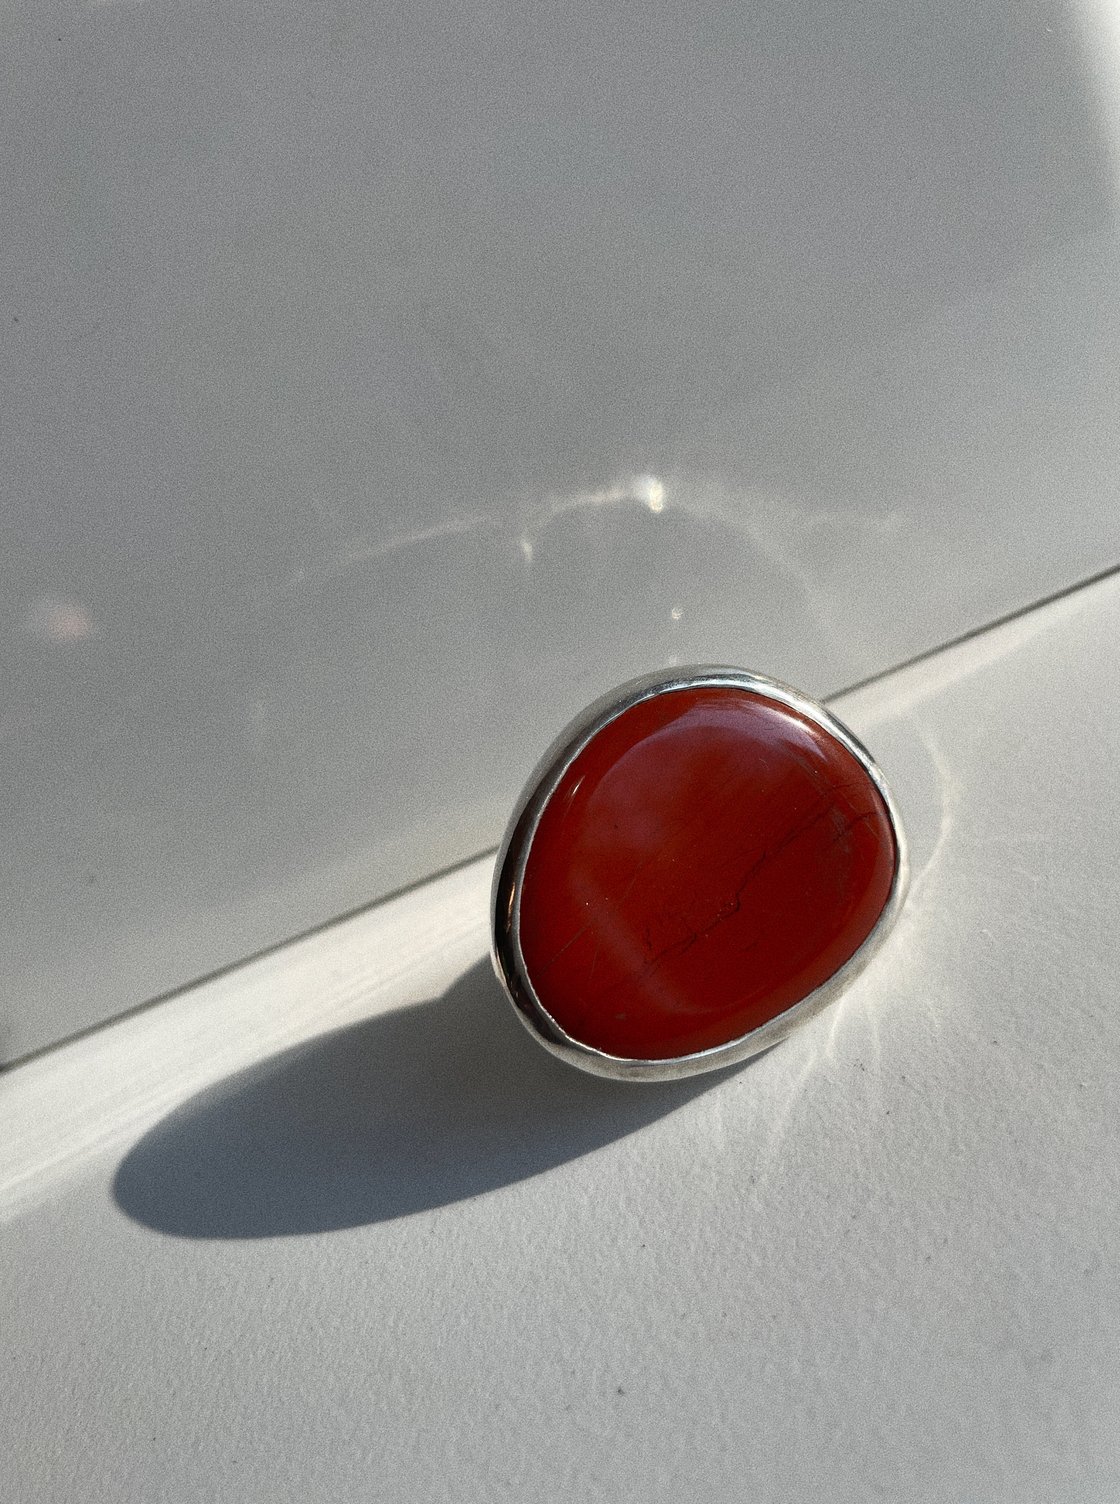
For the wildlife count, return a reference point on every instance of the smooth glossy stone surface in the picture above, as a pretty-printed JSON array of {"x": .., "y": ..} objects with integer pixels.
[{"x": 707, "y": 861}]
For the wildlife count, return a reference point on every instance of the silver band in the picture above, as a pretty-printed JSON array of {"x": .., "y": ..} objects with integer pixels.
[{"x": 509, "y": 873}]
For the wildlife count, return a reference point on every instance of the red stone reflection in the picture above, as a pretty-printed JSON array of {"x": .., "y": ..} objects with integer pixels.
[{"x": 707, "y": 861}]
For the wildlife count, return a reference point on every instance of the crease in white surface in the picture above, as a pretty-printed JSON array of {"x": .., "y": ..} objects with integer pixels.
[
  {"x": 96, "y": 1094},
  {"x": 903, "y": 691}
]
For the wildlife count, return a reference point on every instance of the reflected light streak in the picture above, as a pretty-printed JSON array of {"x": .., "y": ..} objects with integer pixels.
[{"x": 1099, "y": 23}]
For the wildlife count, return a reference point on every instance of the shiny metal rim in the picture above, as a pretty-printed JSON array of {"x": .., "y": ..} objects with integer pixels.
[{"x": 513, "y": 855}]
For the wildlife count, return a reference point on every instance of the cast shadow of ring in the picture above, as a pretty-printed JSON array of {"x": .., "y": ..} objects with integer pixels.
[{"x": 406, "y": 1111}]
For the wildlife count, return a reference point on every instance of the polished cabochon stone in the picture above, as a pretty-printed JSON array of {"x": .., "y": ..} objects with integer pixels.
[{"x": 710, "y": 858}]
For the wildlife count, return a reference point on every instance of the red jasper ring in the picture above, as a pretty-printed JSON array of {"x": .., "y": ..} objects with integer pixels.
[{"x": 701, "y": 861}]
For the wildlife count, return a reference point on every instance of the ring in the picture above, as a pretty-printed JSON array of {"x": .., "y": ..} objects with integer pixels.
[{"x": 701, "y": 861}]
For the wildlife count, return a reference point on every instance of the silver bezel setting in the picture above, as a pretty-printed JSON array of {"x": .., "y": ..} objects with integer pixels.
[{"x": 513, "y": 855}]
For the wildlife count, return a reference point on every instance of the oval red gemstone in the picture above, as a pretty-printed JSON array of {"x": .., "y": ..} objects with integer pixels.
[{"x": 708, "y": 860}]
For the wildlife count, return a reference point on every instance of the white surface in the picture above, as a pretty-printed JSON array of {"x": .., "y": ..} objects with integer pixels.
[
  {"x": 378, "y": 385},
  {"x": 420, "y": 1260}
]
